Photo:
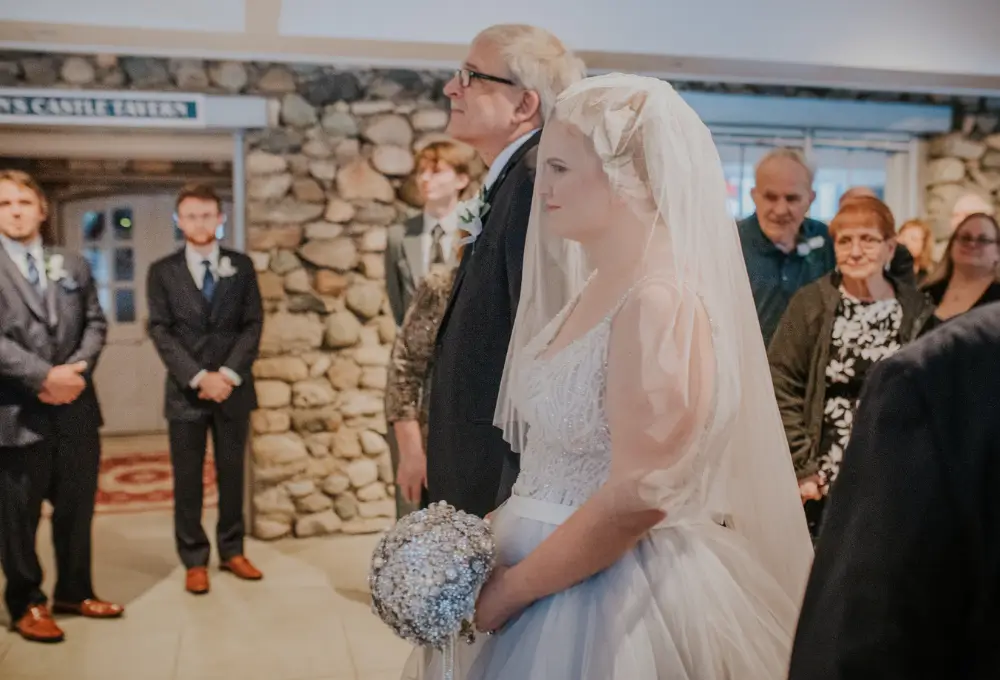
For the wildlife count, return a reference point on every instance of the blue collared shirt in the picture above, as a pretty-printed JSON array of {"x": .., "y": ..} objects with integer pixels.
[{"x": 775, "y": 276}]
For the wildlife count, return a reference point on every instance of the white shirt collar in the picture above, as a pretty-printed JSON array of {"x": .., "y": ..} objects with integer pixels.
[
  {"x": 18, "y": 249},
  {"x": 195, "y": 259},
  {"x": 449, "y": 222},
  {"x": 498, "y": 165}
]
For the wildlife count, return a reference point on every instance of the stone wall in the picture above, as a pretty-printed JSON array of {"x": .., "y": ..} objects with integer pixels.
[
  {"x": 959, "y": 163},
  {"x": 323, "y": 184},
  {"x": 324, "y": 181}
]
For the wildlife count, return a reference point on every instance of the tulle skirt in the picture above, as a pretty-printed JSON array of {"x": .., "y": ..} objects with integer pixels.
[{"x": 689, "y": 602}]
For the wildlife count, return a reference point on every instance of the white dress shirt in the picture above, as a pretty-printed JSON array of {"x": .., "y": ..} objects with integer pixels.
[
  {"x": 196, "y": 265},
  {"x": 498, "y": 164},
  {"x": 196, "y": 260},
  {"x": 449, "y": 224},
  {"x": 18, "y": 252}
]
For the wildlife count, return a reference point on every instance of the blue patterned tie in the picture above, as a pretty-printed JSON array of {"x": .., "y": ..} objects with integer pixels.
[
  {"x": 33, "y": 276},
  {"x": 208, "y": 282}
]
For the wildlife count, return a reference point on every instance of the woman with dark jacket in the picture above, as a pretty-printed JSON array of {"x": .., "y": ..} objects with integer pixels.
[
  {"x": 969, "y": 273},
  {"x": 833, "y": 331}
]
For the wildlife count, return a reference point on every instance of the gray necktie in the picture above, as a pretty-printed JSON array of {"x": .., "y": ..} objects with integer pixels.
[{"x": 34, "y": 278}]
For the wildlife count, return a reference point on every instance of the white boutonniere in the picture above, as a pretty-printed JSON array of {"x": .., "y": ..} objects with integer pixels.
[
  {"x": 472, "y": 213},
  {"x": 226, "y": 268},
  {"x": 806, "y": 247},
  {"x": 55, "y": 270}
]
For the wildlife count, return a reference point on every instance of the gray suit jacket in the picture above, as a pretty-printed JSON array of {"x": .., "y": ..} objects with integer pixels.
[
  {"x": 404, "y": 264},
  {"x": 37, "y": 333}
]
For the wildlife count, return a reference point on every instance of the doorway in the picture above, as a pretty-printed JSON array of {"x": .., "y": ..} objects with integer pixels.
[{"x": 121, "y": 235}]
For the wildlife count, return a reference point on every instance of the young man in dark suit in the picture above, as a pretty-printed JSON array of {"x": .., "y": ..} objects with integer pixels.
[
  {"x": 442, "y": 172},
  {"x": 52, "y": 332},
  {"x": 499, "y": 100},
  {"x": 906, "y": 581},
  {"x": 205, "y": 319}
]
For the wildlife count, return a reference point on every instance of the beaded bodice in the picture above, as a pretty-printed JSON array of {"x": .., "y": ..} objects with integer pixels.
[{"x": 567, "y": 456}]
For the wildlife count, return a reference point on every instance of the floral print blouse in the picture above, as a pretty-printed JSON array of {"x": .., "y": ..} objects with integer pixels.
[
  {"x": 863, "y": 334},
  {"x": 406, "y": 396}
]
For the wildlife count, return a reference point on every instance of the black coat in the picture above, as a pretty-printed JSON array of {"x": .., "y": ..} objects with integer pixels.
[
  {"x": 36, "y": 333},
  {"x": 906, "y": 581},
  {"x": 191, "y": 335},
  {"x": 466, "y": 454}
]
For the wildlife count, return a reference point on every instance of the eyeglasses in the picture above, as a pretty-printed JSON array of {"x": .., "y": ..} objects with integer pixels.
[
  {"x": 975, "y": 241},
  {"x": 868, "y": 243},
  {"x": 466, "y": 76}
]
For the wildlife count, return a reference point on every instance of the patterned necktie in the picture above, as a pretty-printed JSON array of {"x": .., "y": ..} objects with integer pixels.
[
  {"x": 208, "y": 281},
  {"x": 34, "y": 278},
  {"x": 437, "y": 247}
]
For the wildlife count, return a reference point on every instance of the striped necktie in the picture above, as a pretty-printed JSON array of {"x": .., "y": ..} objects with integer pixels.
[{"x": 34, "y": 278}]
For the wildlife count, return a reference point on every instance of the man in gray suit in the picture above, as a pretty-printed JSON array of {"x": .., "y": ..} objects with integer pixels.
[
  {"x": 443, "y": 171},
  {"x": 52, "y": 331}
]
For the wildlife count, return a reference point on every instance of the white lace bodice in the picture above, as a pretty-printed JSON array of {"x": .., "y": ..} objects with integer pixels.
[{"x": 568, "y": 452}]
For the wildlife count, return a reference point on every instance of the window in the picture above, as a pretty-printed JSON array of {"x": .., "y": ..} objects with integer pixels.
[
  {"x": 840, "y": 164},
  {"x": 111, "y": 256}
]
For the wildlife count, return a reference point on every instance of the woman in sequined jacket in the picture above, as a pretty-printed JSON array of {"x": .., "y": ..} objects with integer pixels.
[{"x": 406, "y": 394}]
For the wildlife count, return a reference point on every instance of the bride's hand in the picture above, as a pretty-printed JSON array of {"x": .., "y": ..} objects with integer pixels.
[{"x": 495, "y": 605}]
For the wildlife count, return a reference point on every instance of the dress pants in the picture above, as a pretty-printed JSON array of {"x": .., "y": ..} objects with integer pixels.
[
  {"x": 188, "y": 439},
  {"x": 64, "y": 470}
]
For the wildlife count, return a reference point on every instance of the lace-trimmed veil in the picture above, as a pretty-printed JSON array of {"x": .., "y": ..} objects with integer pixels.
[{"x": 704, "y": 393}]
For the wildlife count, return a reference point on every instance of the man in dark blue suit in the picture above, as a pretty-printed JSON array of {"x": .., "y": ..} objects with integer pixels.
[
  {"x": 906, "y": 582},
  {"x": 205, "y": 319}
]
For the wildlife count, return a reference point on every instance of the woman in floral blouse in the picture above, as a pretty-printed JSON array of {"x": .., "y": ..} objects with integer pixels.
[
  {"x": 833, "y": 331},
  {"x": 406, "y": 394}
]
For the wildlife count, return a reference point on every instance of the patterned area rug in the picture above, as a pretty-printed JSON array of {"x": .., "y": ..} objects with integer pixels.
[{"x": 143, "y": 482}]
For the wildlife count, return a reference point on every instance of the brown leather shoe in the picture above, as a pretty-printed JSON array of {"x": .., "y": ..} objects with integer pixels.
[
  {"x": 241, "y": 567},
  {"x": 37, "y": 625},
  {"x": 91, "y": 609},
  {"x": 197, "y": 580}
]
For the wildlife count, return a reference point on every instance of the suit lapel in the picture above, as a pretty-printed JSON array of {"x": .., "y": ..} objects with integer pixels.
[
  {"x": 222, "y": 286},
  {"x": 53, "y": 295},
  {"x": 467, "y": 252},
  {"x": 183, "y": 275},
  {"x": 31, "y": 298}
]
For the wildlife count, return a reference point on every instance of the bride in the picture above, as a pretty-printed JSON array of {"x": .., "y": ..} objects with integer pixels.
[{"x": 655, "y": 530}]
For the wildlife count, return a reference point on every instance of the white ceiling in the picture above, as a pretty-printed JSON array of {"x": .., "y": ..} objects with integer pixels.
[{"x": 927, "y": 45}]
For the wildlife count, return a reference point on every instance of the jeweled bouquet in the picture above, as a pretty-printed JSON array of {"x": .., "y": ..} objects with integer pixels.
[{"x": 427, "y": 572}]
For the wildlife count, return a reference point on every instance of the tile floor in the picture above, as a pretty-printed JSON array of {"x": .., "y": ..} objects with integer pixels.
[{"x": 309, "y": 619}]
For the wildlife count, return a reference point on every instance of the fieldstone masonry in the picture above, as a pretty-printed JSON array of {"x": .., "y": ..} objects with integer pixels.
[{"x": 324, "y": 182}]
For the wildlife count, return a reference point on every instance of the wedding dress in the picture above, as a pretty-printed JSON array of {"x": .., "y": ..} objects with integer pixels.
[
  {"x": 690, "y": 602},
  {"x": 676, "y": 375}
]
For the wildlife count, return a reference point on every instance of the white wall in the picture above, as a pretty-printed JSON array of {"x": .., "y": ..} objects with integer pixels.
[
  {"x": 960, "y": 36},
  {"x": 914, "y": 45},
  {"x": 192, "y": 15}
]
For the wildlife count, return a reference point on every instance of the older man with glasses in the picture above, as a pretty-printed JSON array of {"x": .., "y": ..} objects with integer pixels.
[{"x": 500, "y": 98}]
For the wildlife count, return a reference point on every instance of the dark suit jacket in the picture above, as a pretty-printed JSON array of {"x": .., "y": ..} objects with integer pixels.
[
  {"x": 465, "y": 452},
  {"x": 906, "y": 582},
  {"x": 192, "y": 335},
  {"x": 36, "y": 334},
  {"x": 404, "y": 264},
  {"x": 901, "y": 266}
]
